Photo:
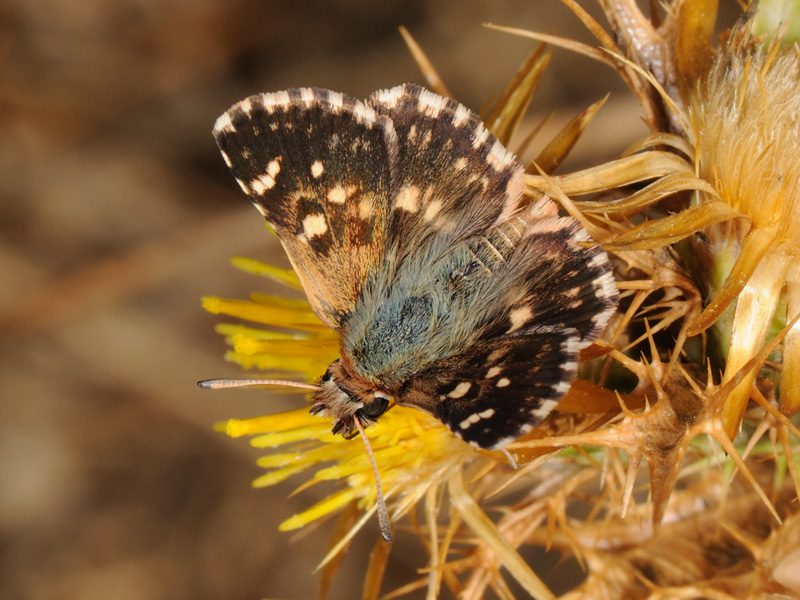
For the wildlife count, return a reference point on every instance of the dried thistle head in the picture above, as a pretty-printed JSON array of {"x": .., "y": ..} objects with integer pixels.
[
  {"x": 649, "y": 393},
  {"x": 745, "y": 119},
  {"x": 736, "y": 118}
]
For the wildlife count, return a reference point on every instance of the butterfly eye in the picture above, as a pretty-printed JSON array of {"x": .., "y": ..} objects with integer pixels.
[{"x": 376, "y": 408}]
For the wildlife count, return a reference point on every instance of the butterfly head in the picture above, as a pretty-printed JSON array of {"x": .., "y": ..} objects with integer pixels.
[{"x": 346, "y": 398}]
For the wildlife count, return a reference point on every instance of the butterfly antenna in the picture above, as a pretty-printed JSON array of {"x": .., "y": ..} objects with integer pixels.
[
  {"x": 383, "y": 514},
  {"x": 220, "y": 384}
]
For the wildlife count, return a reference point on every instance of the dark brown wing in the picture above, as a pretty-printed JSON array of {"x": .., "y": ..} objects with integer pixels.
[
  {"x": 319, "y": 166},
  {"x": 456, "y": 179}
]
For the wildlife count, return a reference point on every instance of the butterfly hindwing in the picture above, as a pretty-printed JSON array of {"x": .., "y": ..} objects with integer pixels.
[
  {"x": 555, "y": 280},
  {"x": 519, "y": 302},
  {"x": 500, "y": 390},
  {"x": 319, "y": 166}
]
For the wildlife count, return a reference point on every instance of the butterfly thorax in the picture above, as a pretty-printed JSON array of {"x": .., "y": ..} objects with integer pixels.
[{"x": 346, "y": 397}]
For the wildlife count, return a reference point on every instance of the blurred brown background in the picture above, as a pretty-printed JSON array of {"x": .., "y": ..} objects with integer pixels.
[{"x": 117, "y": 216}]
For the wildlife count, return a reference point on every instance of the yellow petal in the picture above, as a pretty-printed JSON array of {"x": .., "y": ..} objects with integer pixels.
[
  {"x": 279, "y": 422},
  {"x": 277, "y": 476},
  {"x": 285, "y": 276},
  {"x": 276, "y": 315},
  {"x": 320, "y": 509},
  {"x": 273, "y": 440}
]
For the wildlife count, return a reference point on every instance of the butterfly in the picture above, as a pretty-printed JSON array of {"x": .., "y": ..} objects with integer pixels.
[{"x": 406, "y": 222}]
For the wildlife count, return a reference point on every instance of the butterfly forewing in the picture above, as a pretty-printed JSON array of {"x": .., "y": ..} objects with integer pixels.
[
  {"x": 320, "y": 167},
  {"x": 455, "y": 179},
  {"x": 535, "y": 297}
]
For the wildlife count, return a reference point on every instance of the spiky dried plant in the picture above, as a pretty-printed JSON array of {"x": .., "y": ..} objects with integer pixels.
[{"x": 697, "y": 374}]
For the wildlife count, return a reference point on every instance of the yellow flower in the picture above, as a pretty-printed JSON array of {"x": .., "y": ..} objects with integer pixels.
[
  {"x": 413, "y": 450},
  {"x": 415, "y": 454}
]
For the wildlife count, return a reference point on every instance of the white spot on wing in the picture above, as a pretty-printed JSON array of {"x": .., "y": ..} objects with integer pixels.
[
  {"x": 365, "y": 208},
  {"x": 503, "y": 382},
  {"x": 562, "y": 387},
  {"x": 307, "y": 95},
  {"x": 460, "y": 390},
  {"x": 408, "y": 199},
  {"x": 461, "y": 164},
  {"x": 224, "y": 123},
  {"x": 493, "y": 372},
  {"x": 475, "y": 417},
  {"x": 274, "y": 167},
  {"x": 337, "y": 195},
  {"x": 470, "y": 420},
  {"x": 226, "y": 159},
  {"x": 431, "y": 103},
  {"x": 270, "y": 100},
  {"x": 518, "y": 317},
  {"x": 336, "y": 99},
  {"x": 498, "y": 156},
  {"x": 599, "y": 260},
  {"x": 461, "y": 115},
  {"x": 314, "y": 224},
  {"x": 364, "y": 114},
  {"x": 390, "y": 97},
  {"x": 496, "y": 355},
  {"x": 502, "y": 443},
  {"x": 481, "y": 135},
  {"x": 605, "y": 288},
  {"x": 545, "y": 409},
  {"x": 317, "y": 169},
  {"x": 262, "y": 183},
  {"x": 432, "y": 209},
  {"x": 579, "y": 235}
]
